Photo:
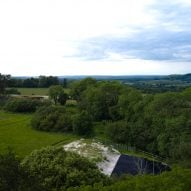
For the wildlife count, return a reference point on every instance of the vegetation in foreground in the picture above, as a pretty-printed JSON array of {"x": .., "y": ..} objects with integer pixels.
[
  {"x": 53, "y": 169},
  {"x": 47, "y": 169},
  {"x": 176, "y": 180}
]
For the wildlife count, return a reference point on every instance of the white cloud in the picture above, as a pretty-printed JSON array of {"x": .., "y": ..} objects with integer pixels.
[{"x": 36, "y": 37}]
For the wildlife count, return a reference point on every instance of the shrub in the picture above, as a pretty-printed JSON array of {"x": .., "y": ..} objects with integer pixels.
[
  {"x": 65, "y": 119},
  {"x": 52, "y": 118},
  {"x": 24, "y": 105},
  {"x": 3, "y": 100},
  {"x": 12, "y": 91}
]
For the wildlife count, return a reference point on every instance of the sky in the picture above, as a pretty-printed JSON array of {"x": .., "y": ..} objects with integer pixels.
[{"x": 95, "y": 37}]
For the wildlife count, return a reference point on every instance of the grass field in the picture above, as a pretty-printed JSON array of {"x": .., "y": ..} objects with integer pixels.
[
  {"x": 16, "y": 133},
  {"x": 36, "y": 91},
  {"x": 33, "y": 91}
]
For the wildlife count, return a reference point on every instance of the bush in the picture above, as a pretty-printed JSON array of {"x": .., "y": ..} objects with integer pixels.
[
  {"x": 64, "y": 119},
  {"x": 24, "y": 105},
  {"x": 57, "y": 169},
  {"x": 12, "y": 91},
  {"x": 3, "y": 100},
  {"x": 52, "y": 118}
]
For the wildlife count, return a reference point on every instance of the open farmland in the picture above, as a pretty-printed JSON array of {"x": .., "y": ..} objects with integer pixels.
[
  {"x": 33, "y": 91},
  {"x": 36, "y": 91},
  {"x": 16, "y": 133}
]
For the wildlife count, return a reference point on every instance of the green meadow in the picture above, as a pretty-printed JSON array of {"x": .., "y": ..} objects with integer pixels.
[
  {"x": 17, "y": 134},
  {"x": 36, "y": 91},
  {"x": 33, "y": 91}
]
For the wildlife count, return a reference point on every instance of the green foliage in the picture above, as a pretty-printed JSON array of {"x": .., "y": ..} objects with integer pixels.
[
  {"x": 52, "y": 168},
  {"x": 129, "y": 103},
  {"x": 62, "y": 119},
  {"x": 118, "y": 131},
  {"x": 3, "y": 101},
  {"x": 159, "y": 124},
  {"x": 34, "y": 82},
  {"x": 62, "y": 98},
  {"x": 12, "y": 91},
  {"x": 9, "y": 172},
  {"x": 4, "y": 79},
  {"x": 169, "y": 116},
  {"x": 176, "y": 180},
  {"x": 57, "y": 169},
  {"x": 82, "y": 123},
  {"x": 100, "y": 101},
  {"x": 56, "y": 93},
  {"x": 78, "y": 87},
  {"x": 13, "y": 177},
  {"x": 52, "y": 119},
  {"x": 187, "y": 94},
  {"x": 47, "y": 81},
  {"x": 24, "y": 105}
]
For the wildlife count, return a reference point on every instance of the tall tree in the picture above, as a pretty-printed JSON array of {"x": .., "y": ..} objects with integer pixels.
[
  {"x": 3, "y": 82},
  {"x": 78, "y": 87},
  {"x": 57, "y": 94}
]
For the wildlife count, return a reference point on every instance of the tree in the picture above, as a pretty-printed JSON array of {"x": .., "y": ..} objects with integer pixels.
[
  {"x": 57, "y": 169},
  {"x": 62, "y": 98},
  {"x": 48, "y": 81},
  {"x": 100, "y": 100},
  {"x": 78, "y": 87},
  {"x": 118, "y": 132},
  {"x": 56, "y": 93},
  {"x": 9, "y": 172},
  {"x": 30, "y": 82},
  {"x": 3, "y": 82},
  {"x": 13, "y": 177},
  {"x": 175, "y": 180},
  {"x": 82, "y": 123}
]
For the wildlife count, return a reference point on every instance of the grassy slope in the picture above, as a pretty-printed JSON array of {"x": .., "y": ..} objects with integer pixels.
[
  {"x": 15, "y": 132},
  {"x": 36, "y": 91}
]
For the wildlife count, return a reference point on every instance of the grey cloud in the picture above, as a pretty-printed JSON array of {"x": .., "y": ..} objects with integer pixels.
[{"x": 155, "y": 43}]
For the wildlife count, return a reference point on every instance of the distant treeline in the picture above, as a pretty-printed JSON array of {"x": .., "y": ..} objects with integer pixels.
[
  {"x": 186, "y": 77},
  {"x": 161, "y": 86},
  {"x": 36, "y": 82},
  {"x": 147, "y": 84}
]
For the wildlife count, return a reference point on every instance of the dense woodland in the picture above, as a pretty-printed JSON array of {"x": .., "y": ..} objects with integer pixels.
[{"x": 159, "y": 123}]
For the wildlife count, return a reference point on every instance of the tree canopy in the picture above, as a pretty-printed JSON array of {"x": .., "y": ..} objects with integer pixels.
[
  {"x": 57, "y": 94},
  {"x": 57, "y": 169},
  {"x": 4, "y": 79}
]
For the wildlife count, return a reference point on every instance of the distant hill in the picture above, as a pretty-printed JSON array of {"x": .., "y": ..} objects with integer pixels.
[
  {"x": 120, "y": 77},
  {"x": 186, "y": 77}
]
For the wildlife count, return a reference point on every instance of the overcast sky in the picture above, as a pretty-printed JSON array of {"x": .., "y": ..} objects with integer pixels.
[{"x": 95, "y": 37}]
